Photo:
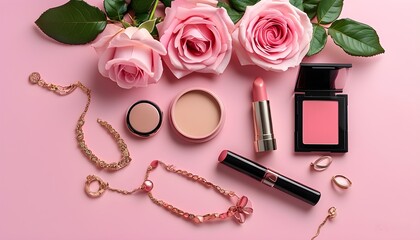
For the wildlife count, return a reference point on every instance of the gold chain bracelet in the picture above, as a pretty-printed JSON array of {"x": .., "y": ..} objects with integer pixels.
[
  {"x": 239, "y": 211},
  {"x": 35, "y": 78}
]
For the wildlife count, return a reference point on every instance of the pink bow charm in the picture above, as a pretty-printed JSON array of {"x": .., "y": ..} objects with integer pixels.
[{"x": 242, "y": 208}]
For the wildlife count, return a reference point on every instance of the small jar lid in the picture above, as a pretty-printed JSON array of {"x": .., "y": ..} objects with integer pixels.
[
  {"x": 144, "y": 118},
  {"x": 197, "y": 115}
]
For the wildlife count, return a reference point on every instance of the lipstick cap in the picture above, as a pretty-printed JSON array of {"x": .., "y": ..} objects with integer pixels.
[
  {"x": 243, "y": 165},
  {"x": 270, "y": 177}
]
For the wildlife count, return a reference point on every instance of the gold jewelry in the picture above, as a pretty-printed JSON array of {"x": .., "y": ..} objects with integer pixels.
[
  {"x": 241, "y": 208},
  {"x": 321, "y": 163},
  {"x": 341, "y": 181},
  {"x": 332, "y": 212},
  {"x": 239, "y": 211},
  {"x": 35, "y": 78}
]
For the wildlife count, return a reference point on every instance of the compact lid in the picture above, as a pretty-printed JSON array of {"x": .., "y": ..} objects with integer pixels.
[{"x": 319, "y": 77}]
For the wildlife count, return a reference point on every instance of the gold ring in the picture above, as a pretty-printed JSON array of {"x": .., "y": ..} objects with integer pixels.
[
  {"x": 321, "y": 163},
  {"x": 102, "y": 186},
  {"x": 341, "y": 181}
]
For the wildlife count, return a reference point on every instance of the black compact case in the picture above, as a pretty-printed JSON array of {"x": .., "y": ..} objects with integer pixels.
[{"x": 321, "y": 113}]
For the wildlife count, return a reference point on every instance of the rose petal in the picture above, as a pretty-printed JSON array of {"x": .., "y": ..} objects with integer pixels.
[
  {"x": 107, "y": 55},
  {"x": 105, "y": 37},
  {"x": 145, "y": 38}
]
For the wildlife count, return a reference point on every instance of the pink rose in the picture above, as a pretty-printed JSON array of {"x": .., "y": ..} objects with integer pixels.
[
  {"x": 130, "y": 57},
  {"x": 197, "y": 36},
  {"x": 272, "y": 34}
]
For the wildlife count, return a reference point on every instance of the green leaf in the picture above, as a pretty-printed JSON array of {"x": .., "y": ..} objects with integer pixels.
[
  {"x": 149, "y": 25},
  {"x": 329, "y": 10},
  {"x": 310, "y": 7},
  {"x": 355, "y": 38},
  {"x": 75, "y": 22},
  {"x": 240, "y": 5},
  {"x": 141, "y": 6},
  {"x": 167, "y": 3},
  {"x": 318, "y": 41},
  {"x": 141, "y": 17},
  {"x": 115, "y": 9},
  {"x": 297, "y": 3},
  {"x": 234, "y": 15}
]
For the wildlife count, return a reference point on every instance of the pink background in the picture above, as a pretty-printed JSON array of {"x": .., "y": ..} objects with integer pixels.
[{"x": 42, "y": 171}]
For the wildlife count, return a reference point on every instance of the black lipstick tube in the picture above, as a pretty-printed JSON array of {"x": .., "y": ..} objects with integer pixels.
[{"x": 269, "y": 177}]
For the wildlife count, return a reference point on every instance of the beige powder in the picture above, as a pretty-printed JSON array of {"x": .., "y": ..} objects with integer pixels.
[
  {"x": 144, "y": 117},
  {"x": 196, "y": 114}
]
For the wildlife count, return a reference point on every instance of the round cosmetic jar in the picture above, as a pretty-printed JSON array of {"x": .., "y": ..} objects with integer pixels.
[
  {"x": 144, "y": 118},
  {"x": 197, "y": 115}
]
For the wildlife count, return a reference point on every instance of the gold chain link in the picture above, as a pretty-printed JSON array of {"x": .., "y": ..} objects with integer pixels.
[
  {"x": 35, "y": 78},
  {"x": 190, "y": 216}
]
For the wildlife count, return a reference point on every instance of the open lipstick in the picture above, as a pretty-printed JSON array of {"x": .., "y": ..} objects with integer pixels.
[
  {"x": 269, "y": 177},
  {"x": 263, "y": 128}
]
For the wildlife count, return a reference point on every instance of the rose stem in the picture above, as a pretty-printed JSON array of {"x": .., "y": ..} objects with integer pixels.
[{"x": 152, "y": 14}]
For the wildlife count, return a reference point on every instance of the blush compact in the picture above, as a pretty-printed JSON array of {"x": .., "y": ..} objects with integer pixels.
[{"x": 321, "y": 113}]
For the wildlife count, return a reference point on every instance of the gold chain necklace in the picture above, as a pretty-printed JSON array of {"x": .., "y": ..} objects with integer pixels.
[
  {"x": 241, "y": 208},
  {"x": 35, "y": 78}
]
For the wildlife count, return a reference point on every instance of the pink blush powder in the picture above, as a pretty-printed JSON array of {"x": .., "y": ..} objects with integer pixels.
[{"x": 320, "y": 122}]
